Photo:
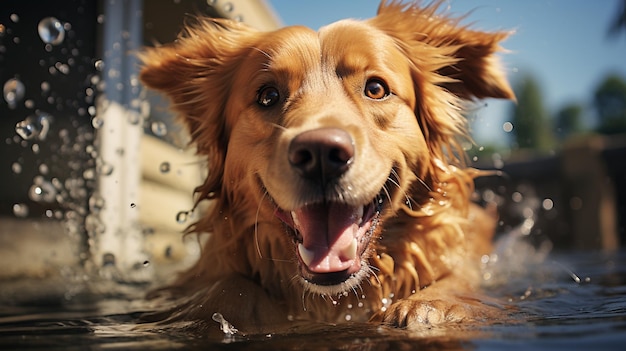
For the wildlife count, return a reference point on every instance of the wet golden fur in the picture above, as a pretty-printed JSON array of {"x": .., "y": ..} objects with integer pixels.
[{"x": 421, "y": 258}]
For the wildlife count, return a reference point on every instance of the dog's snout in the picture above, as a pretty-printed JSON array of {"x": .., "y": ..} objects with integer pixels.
[{"x": 323, "y": 153}]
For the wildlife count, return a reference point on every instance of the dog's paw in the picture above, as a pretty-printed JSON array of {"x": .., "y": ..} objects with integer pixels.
[{"x": 420, "y": 313}]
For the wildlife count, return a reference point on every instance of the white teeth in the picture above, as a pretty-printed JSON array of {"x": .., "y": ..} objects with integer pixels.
[
  {"x": 358, "y": 215},
  {"x": 350, "y": 251},
  {"x": 294, "y": 217},
  {"x": 306, "y": 255}
]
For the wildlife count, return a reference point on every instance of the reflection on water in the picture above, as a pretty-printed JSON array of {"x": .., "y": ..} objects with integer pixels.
[{"x": 572, "y": 301}]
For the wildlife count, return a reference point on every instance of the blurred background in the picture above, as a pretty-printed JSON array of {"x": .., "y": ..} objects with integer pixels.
[{"x": 94, "y": 172}]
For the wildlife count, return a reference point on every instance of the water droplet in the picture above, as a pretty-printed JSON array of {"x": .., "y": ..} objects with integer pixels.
[
  {"x": 13, "y": 92},
  {"x": 547, "y": 204},
  {"x": 158, "y": 128},
  {"x": 62, "y": 67},
  {"x": 108, "y": 259},
  {"x": 51, "y": 31},
  {"x": 225, "y": 326},
  {"x": 26, "y": 130},
  {"x": 103, "y": 168},
  {"x": 133, "y": 205},
  {"x": 517, "y": 196},
  {"x": 93, "y": 225},
  {"x": 182, "y": 217},
  {"x": 97, "y": 122},
  {"x": 89, "y": 174},
  {"x": 146, "y": 263},
  {"x": 16, "y": 168},
  {"x": 34, "y": 127},
  {"x": 428, "y": 211},
  {"x": 20, "y": 210},
  {"x": 507, "y": 127},
  {"x": 42, "y": 191},
  {"x": 96, "y": 203},
  {"x": 164, "y": 167},
  {"x": 134, "y": 118}
]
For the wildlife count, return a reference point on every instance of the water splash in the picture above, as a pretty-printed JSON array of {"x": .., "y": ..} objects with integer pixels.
[{"x": 225, "y": 326}]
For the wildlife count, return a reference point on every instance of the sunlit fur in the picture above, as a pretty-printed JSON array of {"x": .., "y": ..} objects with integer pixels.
[{"x": 424, "y": 252}]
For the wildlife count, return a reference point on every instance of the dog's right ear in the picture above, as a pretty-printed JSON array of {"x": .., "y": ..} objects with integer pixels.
[{"x": 195, "y": 72}]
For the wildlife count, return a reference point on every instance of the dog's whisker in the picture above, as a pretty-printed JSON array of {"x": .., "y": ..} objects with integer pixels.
[
  {"x": 262, "y": 52},
  {"x": 394, "y": 179},
  {"x": 353, "y": 288},
  {"x": 256, "y": 226},
  {"x": 395, "y": 182},
  {"x": 387, "y": 193},
  {"x": 421, "y": 181},
  {"x": 371, "y": 269},
  {"x": 278, "y": 126},
  {"x": 304, "y": 292}
]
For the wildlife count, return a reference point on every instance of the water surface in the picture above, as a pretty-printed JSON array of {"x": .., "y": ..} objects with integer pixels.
[{"x": 573, "y": 301}]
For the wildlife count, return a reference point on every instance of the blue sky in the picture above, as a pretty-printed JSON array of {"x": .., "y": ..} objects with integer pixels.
[{"x": 563, "y": 43}]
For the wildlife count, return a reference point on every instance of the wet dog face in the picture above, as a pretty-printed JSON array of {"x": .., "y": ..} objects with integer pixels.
[
  {"x": 341, "y": 136},
  {"x": 326, "y": 132}
]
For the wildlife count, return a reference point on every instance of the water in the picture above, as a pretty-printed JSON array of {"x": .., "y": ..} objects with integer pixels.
[
  {"x": 573, "y": 301},
  {"x": 51, "y": 31}
]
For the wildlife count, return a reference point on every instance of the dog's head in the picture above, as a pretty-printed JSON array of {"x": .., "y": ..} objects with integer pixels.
[{"x": 330, "y": 131}]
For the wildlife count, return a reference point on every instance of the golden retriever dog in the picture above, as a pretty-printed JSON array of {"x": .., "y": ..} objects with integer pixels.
[{"x": 335, "y": 168}]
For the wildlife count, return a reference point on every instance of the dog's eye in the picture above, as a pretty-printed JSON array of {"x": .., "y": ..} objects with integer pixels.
[
  {"x": 376, "y": 89},
  {"x": 267, "y": 96}
]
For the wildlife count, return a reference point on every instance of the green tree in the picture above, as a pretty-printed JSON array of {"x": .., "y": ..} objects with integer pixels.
[
  {"x": 569, "y": 120},
  {"x": 529, "y": 117},
  {"x": 610, "y": 103}
]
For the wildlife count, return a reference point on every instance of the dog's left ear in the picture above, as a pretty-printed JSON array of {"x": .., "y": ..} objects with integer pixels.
[
  {"x": 196, "y": 73},
  {"x": 463, "y": 61}
]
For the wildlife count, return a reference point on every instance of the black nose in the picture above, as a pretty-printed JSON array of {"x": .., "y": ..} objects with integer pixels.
[{"x": 322, "y": 154}]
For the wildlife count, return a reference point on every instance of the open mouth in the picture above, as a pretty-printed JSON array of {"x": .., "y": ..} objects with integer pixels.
[{"x": 331, "y": 239}]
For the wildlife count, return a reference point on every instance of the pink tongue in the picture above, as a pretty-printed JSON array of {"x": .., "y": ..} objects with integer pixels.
[{"x": 327, "y": 232}]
